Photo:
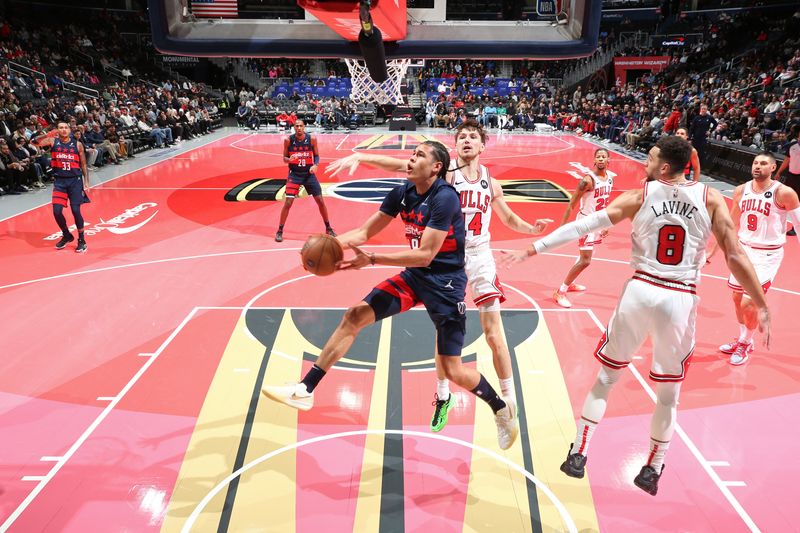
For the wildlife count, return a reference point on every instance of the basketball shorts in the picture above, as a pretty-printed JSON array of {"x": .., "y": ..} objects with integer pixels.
[
  {"x": 588, "y": 241},
  {"x": 68, "y": 189},
  {"x": 666, "y": 315},
  {"x": 482, "y": 275},
  {"x": 307, "y": 180},
  {"x": 441, "y": 294},
  {"x": 766, "y": 264}
]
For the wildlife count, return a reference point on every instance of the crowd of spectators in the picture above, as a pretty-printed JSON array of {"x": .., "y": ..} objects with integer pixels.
[{"x": 125, "y": 116}]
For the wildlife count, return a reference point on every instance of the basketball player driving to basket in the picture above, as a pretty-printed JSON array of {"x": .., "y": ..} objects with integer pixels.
[
  {"x": 434, "y": 276},
  {"x": 672, "y": 221}
]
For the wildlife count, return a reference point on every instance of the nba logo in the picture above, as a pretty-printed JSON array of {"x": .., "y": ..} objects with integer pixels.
[{"x": 546, "y": 7}]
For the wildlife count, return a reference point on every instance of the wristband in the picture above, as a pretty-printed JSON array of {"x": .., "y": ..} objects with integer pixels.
[{"x": 316, "y": 160}]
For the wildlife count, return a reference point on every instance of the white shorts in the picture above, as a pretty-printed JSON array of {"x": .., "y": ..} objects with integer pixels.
[
  {"x": 588, "y": 241},
  {"x": 766, "y": 264},
  {"x": 666, "y": 314},
  {"x": 482, "y": 275}
]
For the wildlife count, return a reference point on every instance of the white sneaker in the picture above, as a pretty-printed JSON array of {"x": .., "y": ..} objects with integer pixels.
[
  {"x": 507, "y": 426},
  {"x": 561, "y": 299},
  {"x": 742, "y": 354},
  {"x": 730, "y": 347},
  {"x": 294, "y": 395}
]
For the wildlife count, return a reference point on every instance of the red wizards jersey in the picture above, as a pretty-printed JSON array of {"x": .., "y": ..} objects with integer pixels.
[
  {"x": 65, "y": 159},
  {"x": 303, "y": 154}
]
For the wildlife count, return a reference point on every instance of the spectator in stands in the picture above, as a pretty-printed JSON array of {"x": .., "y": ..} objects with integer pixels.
[
  {"x": 159, "y": 135},
  {"x": 243, "y": 114},
  {"x": 98, "y": 137},
  {"x": 20, "y": 175},
  {"x": 91, "y": 152},
  {"x": 701, "y": 125}
]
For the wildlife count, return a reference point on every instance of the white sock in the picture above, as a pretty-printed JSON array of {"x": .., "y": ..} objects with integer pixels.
[
  {"x": 507, "y": 388},
  {"x": 443, "y": 389},
  {"x": 563, "y": 288},
  {"x": 582, "y": 437},
  {"x": 748, "y": 336},
  {"x": 742, "y": 332},
  {"x": 658, "y": 450}
]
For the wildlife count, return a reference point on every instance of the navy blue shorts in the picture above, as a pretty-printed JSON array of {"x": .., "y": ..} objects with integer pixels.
[
  {"x": 307, "y": 180},
  {"x": 68, "y": 188},
  {"x": 441, "y": 294}
]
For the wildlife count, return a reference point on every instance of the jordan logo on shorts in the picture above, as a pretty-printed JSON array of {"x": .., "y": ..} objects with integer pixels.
[{"x": 449, "y": 284}]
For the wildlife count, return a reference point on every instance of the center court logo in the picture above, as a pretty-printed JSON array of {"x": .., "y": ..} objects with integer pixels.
[{"x": 115, "y": 225}]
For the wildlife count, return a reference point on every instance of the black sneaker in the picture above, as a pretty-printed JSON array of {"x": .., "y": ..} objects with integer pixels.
[
  {"x": 81, "y": 249},
  {"x": 330, "y": 232},
  {"x": 791, "y": 233},
  {"x": 647, "y": 480},
  {"x": 279, "y": 236},
  {"x": 575, "y": 465},
  {"x": 66, "y": 239}
]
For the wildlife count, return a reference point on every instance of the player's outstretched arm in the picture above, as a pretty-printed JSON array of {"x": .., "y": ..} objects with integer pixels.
[
  {"x": 738, "y": 263},
  {"x": 624, "y": 206},
  {"x": 351, "y": 162},
  {"x": 510, "y": 218},
  {"x": 371, "y": 227},
  {"x": 735, "y": 213}
]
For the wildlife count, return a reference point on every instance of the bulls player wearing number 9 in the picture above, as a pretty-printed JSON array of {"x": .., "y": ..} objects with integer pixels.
[
  {"x": 761, "y": 208},
  {"x": 434, "y": 276},
  {"x": 672, "y": 221}
]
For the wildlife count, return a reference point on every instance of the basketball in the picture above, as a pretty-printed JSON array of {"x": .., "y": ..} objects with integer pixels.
[{"x": 320, "y": 254}]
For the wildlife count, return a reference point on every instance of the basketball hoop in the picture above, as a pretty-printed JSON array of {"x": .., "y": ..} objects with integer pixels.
[{"x": 365, "y": 90}]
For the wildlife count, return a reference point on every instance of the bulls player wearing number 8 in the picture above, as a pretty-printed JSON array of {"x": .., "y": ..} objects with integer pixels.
[
  {"x": 301, "y": 153},
  {"x": 593, "y": 192},
  {"x": 71, "y": 179},
  {"x": 761, "y": 208},
  {"x": 672, "y": 221}
]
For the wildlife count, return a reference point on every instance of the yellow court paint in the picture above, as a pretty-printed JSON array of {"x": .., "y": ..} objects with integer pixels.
[
  {"x": 369, "y": 491},
  {"x": 552, "y": 427}
]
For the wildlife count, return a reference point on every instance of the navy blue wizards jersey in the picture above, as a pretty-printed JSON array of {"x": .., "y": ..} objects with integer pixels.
[
  {"x": 303, "y": 153},
  {"x": 65, "y": 159},
  {"x": 439, "y": 208}
]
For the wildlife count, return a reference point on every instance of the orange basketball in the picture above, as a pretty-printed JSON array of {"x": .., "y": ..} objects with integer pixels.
[{"x": 320, "y": 254}]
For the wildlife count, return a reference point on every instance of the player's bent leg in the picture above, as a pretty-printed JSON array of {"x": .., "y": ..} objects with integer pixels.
[
  {"x": 443, "y": 400},
  {"x": 301, "y": 395},
  {"x": 583, "y": 262},
  {"x": 662, "y": 427}
]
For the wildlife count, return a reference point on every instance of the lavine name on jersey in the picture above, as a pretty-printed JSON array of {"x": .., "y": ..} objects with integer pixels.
[
  {"x": 674, "y": 207},
  {"x": 475, "y": 200}
]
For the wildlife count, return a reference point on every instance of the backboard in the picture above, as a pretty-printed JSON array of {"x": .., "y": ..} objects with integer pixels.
[{"x": 434, "y": 29}]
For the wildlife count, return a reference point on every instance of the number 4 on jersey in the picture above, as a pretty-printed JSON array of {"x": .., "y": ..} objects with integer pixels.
[{"x": 476, "y": 224}]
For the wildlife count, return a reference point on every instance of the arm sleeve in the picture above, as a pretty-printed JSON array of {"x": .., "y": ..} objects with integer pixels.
[
  {"x": 391, "y": 203},
  {"x": 444, "y": 206},
  {"x": 573, "y": 231}
]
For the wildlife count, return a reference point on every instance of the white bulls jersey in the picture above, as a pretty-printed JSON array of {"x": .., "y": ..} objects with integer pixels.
[
  {"x": 762, "y": 223},
  {"x": 670, "y": 231},
  {"x": 599, "y": 197},
  {"x": 476, "y": 204}
]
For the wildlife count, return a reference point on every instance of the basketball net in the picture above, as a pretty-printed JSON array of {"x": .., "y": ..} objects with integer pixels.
[{"x": 367, "y": 91}]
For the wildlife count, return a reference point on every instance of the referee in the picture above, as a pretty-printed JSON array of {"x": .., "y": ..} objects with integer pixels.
[{"x": 791, "y": 165}]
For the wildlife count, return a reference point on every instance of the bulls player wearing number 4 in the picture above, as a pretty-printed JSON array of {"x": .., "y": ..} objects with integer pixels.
[
  {"x": 593, "y": 192},
  {"x": 480, "y": 194},
  {"x": 761, "y": 208},
  {"x": 672, "y": 221}
]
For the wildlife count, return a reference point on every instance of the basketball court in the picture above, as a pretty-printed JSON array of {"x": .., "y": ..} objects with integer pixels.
[{"x": 130, "y": 390}]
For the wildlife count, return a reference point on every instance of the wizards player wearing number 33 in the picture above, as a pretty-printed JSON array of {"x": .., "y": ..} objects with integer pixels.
[{"x": 672, "y": 220}]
